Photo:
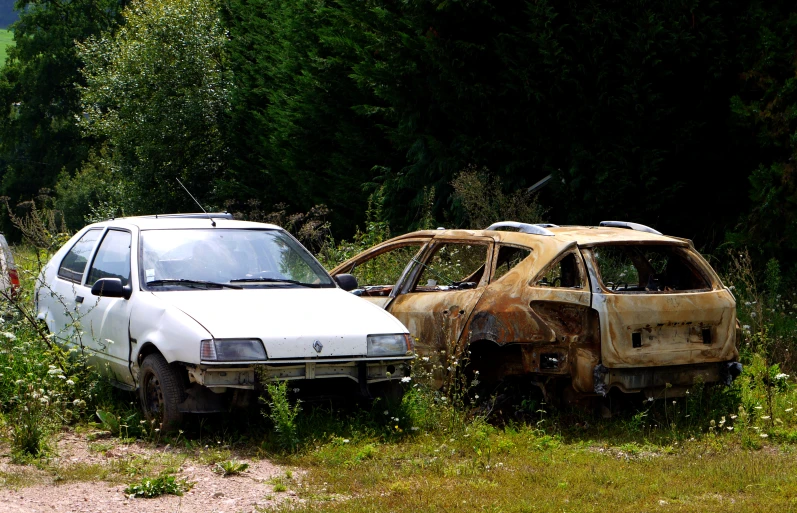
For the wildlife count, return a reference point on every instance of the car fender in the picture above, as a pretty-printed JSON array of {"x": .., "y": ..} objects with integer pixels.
[{"x": 175, "y": 334}]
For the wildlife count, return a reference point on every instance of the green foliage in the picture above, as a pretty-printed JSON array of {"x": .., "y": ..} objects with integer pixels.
[
  {"x": 164, "y": 484},
  {"x": 6, "y": 39},
  {"x": 766, "y": 105},
  {"x": 94, "y": 193},
  {"x": 484, "y": 202},
  {"x": 39, "y": 91},
  {"x": 230, "y": 467},
  {"x": 292, "y": 123},
  {"x": 283, "y": 415},
  {"x": 156, "y": 92}
]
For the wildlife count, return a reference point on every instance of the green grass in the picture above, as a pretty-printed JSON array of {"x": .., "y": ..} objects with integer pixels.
[
  {"x": 571, "y": 476},
  {"x": 6, "y": 39}
]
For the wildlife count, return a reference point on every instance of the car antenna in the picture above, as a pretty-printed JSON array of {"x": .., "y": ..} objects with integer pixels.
[{"x": 212, "y": 222}]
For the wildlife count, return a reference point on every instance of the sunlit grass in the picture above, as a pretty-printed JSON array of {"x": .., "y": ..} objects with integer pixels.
[{"x": 6, "y": 39}]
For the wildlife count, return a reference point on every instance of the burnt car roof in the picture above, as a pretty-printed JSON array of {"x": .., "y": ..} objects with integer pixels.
[{"x": 581, "y": 235}]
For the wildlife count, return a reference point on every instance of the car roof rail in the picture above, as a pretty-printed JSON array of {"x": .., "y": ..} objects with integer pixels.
[
  {"x": 192, "y": 215},
  {"x": 631, "y": 226},
  {"x": 534, "y": 229}
]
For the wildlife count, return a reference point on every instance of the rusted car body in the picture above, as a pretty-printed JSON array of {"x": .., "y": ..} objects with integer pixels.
[{"x": 578, "y": 310}]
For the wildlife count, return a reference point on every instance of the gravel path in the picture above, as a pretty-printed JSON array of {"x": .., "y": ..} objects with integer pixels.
[{"x": 211, "y": 492}]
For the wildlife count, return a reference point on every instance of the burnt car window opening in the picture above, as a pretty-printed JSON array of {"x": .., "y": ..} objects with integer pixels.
[
  {"x": 113, "y": 258},
  {"x": 384, "y": 269},
  {"x": 453, "y": 265},
  {"x": 249, "y": 258},
  {"x": 565, "y": 273},
  {"x": 508, "y": 257},
  {"x": 641, "y": 268},
  {"x": 74, "y": 263}
]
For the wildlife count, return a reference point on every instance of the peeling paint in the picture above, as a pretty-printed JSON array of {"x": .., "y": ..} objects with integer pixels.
[{"x": 582, "y": 336}]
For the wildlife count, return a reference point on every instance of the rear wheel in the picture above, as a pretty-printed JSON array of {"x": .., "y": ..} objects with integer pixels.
[{"x": 161, "y": 390}]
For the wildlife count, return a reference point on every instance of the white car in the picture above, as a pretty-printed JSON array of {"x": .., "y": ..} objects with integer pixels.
[{"x": 195, "y": 311}]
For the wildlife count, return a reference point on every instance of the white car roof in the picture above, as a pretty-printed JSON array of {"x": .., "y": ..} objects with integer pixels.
[{"x": 167, "y": 222}]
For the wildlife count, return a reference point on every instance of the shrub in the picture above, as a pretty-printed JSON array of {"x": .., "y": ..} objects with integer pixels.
[
  {"x": 164, "y": 484},
  {"x": 283, "y": 415}
]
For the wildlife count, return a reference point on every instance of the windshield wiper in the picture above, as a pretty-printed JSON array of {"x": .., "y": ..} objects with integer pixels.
[
  {"x": 192, "y": 283},
  {"x": 274, "y": 280}
]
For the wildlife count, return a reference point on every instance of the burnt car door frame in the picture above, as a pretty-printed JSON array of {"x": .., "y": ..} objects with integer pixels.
[
  {"x": 424, "y": 313},
  {"x": 383, "y": 301}
]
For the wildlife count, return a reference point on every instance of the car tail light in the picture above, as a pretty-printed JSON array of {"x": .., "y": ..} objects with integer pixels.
[{"x": 13, "y": 277}]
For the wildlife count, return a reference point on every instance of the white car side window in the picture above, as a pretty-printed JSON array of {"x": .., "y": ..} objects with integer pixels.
[
  {"x": 113, "y": 258},
  {"x": 74, "y": 263}
]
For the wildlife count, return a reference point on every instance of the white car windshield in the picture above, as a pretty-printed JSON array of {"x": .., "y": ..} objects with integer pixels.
[{"x": 233, "y": 258}]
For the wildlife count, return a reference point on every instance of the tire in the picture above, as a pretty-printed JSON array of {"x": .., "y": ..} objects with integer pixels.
[{"x": 161, "y": 389}]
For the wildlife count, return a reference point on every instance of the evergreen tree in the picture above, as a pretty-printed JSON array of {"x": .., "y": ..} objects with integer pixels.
[{"x": 39, "y": 100}]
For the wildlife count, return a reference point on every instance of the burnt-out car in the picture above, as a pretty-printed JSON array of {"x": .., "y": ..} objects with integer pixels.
[{"x": 578, "y": 310}]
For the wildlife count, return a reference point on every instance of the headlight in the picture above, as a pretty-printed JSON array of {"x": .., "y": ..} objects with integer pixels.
[
  {"x": 232, "y": 350},
  {"x": 389, "y": 345}
]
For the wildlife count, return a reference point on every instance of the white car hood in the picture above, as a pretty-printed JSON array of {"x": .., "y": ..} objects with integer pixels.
[{"x": 288, "y": 320}]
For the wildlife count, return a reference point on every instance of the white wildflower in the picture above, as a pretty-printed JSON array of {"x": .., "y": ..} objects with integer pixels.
[
  {"x": 781, "y": 376},
  {"x": 787, "y": 410},
  {"x": 763, "y": 435},
  {"x": 406, "y": 379},
  {"x": 345, "y": 440},
  {"x": 70, "y": 382}
]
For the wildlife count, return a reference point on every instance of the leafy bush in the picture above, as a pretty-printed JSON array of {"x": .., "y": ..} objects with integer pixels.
[
  {"x": 283, "y": 415},
  {"x": 164, "y": 484},
  {"x": 230, "y": 467}
]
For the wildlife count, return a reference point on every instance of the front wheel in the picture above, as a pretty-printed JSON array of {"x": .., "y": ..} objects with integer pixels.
[{"x": 161, "y": 390}]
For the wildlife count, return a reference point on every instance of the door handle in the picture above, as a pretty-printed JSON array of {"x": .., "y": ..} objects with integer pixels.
[{"x": 79, "y": 299}]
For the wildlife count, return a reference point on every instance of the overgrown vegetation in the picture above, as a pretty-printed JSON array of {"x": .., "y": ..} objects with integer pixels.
[
  {"x": 489, "y": 448},
  {"x": 156, "y": 486}
]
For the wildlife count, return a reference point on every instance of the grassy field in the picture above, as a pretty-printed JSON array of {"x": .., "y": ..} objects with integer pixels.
[
  {"x": 726, "y": 448},
  {"x": 6, "y": 38}
]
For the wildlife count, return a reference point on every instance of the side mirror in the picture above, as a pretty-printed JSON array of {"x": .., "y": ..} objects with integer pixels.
[
  {"x": 347, "y": 282},
  {"x": 111, "y": 287}
]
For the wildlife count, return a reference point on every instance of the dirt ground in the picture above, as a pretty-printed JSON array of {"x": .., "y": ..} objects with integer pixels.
[{"x": 68, "y": 482}]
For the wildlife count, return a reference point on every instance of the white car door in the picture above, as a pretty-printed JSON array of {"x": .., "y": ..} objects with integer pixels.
[
  {"x": 63, "y": 296},
  {"x": 106, "y": 320}
]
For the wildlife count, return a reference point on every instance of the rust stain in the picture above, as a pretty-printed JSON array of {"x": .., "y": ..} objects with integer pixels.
[{"x": 518, "y": 326}]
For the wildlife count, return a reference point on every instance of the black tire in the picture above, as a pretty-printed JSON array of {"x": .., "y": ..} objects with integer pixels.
[{"x": 161, "y": 390}]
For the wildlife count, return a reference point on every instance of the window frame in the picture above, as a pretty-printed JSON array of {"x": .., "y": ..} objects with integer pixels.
[
  {"x": 414, "y": 274},
  {"x": 699, "y": 267},
  {"x": 497, "y": 250},
  {"x": 89, "y": 259},
  {"x": 580, "y": 265},
  {"x": 97, "y": 250}
]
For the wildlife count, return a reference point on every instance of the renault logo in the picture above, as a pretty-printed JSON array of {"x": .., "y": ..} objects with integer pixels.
[{"x": 318, "y": 346}]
